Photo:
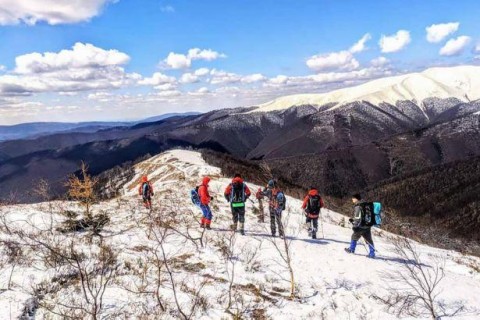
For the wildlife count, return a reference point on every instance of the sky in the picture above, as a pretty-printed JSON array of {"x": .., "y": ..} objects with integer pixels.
[{"x": 104, "y": 60}]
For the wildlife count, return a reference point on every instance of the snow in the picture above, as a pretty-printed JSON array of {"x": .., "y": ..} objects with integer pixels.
[
  {"x": 331, "y": 283},
  {"x": 461, "y": 82}
]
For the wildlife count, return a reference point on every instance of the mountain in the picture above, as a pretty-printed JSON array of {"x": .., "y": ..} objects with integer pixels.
[
  {"x": 37, "y": 129},
  {"x": 461, "y": 82},
  {"x": 157, "y": 264},
  {"x": 168, "y": 115}
]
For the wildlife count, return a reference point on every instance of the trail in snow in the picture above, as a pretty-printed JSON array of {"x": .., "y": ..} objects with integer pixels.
[{"x": 331, "y": 283}]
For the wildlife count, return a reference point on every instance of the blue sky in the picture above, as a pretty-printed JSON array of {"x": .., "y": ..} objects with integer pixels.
[{"x": 113, "y": 60}]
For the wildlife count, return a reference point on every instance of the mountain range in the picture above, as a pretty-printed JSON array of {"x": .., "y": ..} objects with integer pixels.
[{"x": 347, "y": 140}]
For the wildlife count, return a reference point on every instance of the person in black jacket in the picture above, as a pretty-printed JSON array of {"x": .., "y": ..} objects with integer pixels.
[{"x": 359, "y": 229}]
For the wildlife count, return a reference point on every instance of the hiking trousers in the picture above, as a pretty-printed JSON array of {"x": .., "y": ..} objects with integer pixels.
[
  {"x": 366, "y": 233},
  {"x": 206, "y": 211},
  {"x": 276, "y": 219},
  {"x": 238, "y": 214},
  {"x": 312, "y": 222}
]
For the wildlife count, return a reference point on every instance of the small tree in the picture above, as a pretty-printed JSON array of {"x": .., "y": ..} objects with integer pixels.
[{"x": 82, "y": 189}]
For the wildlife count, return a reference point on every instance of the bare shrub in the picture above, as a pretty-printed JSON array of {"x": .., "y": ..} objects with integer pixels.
[{"x": 415, "y": 288}]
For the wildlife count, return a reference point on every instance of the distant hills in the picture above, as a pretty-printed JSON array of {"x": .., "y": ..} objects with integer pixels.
[{"x": 37, "y": 129}]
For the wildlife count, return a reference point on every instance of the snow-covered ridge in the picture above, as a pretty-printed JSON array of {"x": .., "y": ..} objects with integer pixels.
[
  {"x": 461, "y": 82},
  {"x": 331, "y": 284}
]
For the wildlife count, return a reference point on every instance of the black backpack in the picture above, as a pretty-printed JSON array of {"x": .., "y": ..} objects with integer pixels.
[
  {"x": 368, "y": 214},
  {"x": 238, "y": 193},
  {"x": 146, "y": 189},
  {"x": 314, "y": 204}
]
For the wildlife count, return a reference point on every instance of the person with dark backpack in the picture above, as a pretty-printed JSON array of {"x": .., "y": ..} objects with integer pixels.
[
  {"x": 146, "y": 191},
  {"x": 312, "y": 204},
  {"x": 205, "y": 199},
  {"x": 277, "y": 203},
  {"x": 236, "y": 194},
  {"x": 362, "y": 221}
]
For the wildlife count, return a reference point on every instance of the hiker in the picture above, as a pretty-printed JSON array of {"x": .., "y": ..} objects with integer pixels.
[
  {"x": 237, "y": 193},
  {"x": 146, "y": 191},
  {"x": 312, "y": 204},
  {"x": 359, "y": 228},
  {"x": 205, "y": 199},
  {"x": 276, "y": 205}
]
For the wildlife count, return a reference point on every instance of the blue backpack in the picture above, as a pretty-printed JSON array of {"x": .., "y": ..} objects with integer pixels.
[
  {"x": 281, "y": 200},
  {"x": 371, "y": 214},
  {"x": 195, "y": 197}
]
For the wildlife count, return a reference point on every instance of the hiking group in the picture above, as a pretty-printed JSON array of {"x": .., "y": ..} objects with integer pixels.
[{"x": 365, "y": 214}]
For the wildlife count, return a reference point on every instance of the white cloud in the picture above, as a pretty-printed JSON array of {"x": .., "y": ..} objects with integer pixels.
[
  {"x": 360, "y": 46},
  {"x": 438, "y": 32},
  {"x": 156, "y": 79},
  {"x": 252, "y": 78},
  {"x": 343, "y": 60},
  {"x": 455, "y": 47},
  {"x": 395, "y": 42},
  {"x": 222, "y": 77},
  {"x": 165, "y": 87},
  {"x": 202, "y": 72},
  {"x": 278, "y": 80},
  {"x": 379, "y": 62},
  {"x": 189, "y": 78},
  {"x": 205, "y": 54},
  {"x": 184, "y": 61},
  {"x": 178, "y": 61},
  {"x": 50, "y": 11},
  {"x": 80, "y": 56},
  {"x": 84, "y": 67}
]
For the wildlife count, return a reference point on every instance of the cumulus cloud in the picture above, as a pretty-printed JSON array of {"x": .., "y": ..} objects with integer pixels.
[
  {"x": 222, "y": 77},
  {"x": 379, "y": 62},
  {"x": 252, "y": 78},
  {"x": 394, "y": 42},
  {"x": 202, "y": 72},
  {"x": 360, "y": 45},
  {"x": 84, "y": 67},
  {"x": 455, "y": 47},
  {"x": 80, "y": 56},
  {"x": 438, "y": 32},
  {"x": 184, "y": 61},
  {"x": 189, "y": 78},
  {"x": 50, "y": 11},
  {"x": 343, "y": 60},
  {"x": 156, "y": 79}
]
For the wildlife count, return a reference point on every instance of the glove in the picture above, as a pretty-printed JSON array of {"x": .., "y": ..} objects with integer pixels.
[
  {"x": 211, "y": 198},
  {"x": 351, "y": 220}
]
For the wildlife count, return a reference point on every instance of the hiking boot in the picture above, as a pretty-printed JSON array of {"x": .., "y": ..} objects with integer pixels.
[
  {"x": 202, "y": 225},
  {"x": 208, "y": 227},
  {"x": 348, "y": 250},
  {"x": 233, "y": 227},
  {"x": 314, "y": 236}
]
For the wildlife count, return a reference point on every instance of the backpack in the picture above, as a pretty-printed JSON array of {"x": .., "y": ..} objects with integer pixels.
[
  {"x": 237, "y": 195},
  {"x": 195, "y": 197},
  {"x": 371, "y": 214},
  {"x": 314, "y": 204},
  {"x": 281, "y": 200},
  {"x": 146, "y": 190}
]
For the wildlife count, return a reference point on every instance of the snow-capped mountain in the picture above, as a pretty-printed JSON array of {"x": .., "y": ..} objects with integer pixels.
[
  {"x": 330, "y": 284},
  {"x": 462, "y": 83}
]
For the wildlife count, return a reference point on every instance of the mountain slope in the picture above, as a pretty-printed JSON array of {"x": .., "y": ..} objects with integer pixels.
[
  {"x": 462, "y": 82},
  {"x": 331, "y": 284}
]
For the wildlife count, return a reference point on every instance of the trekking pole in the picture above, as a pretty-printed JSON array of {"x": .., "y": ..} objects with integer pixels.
[{"x": 321, "y": 224}]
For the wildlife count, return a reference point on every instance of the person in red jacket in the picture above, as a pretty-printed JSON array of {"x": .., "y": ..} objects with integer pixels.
[
  {"x": 205, "y": 199},
  {"x": 146, "y": 191},
  {"x": 237, "y": 193},
  {"x": 312, "y": 204}
]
